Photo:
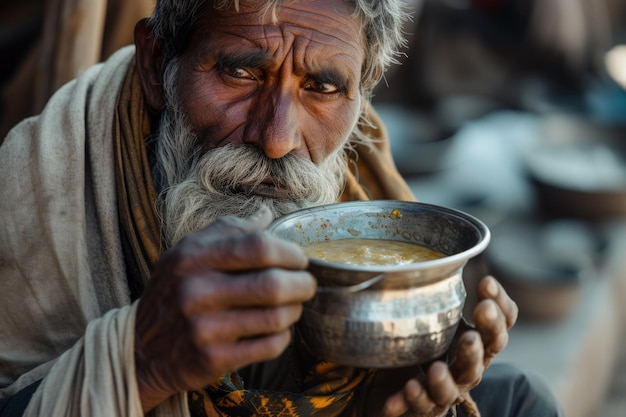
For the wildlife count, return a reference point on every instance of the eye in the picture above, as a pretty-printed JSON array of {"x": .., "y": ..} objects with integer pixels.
[
  {"x": 238, "y": 73},
  {"x": 321, "y": 87}
]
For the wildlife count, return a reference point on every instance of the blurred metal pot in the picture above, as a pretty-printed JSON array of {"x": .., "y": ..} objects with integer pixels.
[{"x": 578, "y": 169}]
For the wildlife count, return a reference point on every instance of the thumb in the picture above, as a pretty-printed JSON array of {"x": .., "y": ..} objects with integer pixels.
[{"x": 263, "y": 217}]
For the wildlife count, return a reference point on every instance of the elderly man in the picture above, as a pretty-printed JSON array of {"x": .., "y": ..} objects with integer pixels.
[{"x": 136, "y": 274}]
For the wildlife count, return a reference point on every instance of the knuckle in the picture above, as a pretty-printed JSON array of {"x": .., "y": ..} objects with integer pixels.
[
  {"x": 212, "y": 361},
  {"x": 195, "y": 292},
  {"x": 494, "y": 348},
  {"x": 280, "y": 319},
  {"x": 199, "y": 331},
  {"x": 258, "y": 243},
  {"x": 476, "y": 381},
  {"x": 269, "y": 286},
  {"x": 187, "y": 297},
  {"x": 501, "y": 341},
  {"x": 273, "y": 320},
  {"x": 447, "y": 396},
  {"x": 488, "y": 314},
  {"x": 188, "y": 246},
  {"x": 211, "y": 329},
  {"x": 261, "y": 243},
  {"x": 277, "y": 344},
  {"x": 184, "y": 242}
]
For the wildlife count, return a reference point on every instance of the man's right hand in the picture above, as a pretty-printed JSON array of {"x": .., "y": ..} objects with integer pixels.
[{"x": 224, "y": 297}]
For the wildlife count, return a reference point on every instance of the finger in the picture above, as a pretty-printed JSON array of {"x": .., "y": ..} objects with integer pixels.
[
  {"x": 412, "y": 397},
  {"x": 467, "y": 367},
  {"x": 492, "y": 326},
  {"x": 229, "y": 357},
  {"x": 230, "y": 225},
  {"x": 244, "y": 251},
  {"x": 442, "y": 388},
  {"x": 265, "y": 288},
  {"x": 489, "y": 287},
  {"x": 232, "y": 325}
]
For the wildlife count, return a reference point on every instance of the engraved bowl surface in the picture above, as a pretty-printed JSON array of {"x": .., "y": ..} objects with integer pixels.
[{"x": 411, "y": 314}]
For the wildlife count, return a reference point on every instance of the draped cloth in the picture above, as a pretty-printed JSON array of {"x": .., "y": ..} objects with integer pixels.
[
  {"x": 136, "y": 194},
  {"x": 66, "y": 316}
]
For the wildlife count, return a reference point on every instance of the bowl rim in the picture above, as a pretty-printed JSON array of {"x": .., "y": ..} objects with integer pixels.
[{"x": 389, "y": 205}]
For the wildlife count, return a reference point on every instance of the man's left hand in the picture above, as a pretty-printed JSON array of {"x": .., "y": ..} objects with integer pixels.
[{"x": 443, "y": 385}]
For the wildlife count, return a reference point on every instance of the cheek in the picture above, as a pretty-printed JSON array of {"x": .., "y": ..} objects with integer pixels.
[
  {"x": 211, "y": 112},
  {"x": 327, "y": 131}
]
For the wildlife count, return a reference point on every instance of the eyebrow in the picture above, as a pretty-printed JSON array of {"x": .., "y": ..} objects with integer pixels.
[
  {"x": 261, "y": 59},
  {"x": 247, "y": 59}
]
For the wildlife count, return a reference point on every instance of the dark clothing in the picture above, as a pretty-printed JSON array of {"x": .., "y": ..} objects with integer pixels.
[
  {"x": 16, "y": 405},
  {"x": 509, "y": 391}
]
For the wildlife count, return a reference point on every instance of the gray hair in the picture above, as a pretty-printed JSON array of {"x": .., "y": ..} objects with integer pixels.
[{"x": 173, "y": 21}]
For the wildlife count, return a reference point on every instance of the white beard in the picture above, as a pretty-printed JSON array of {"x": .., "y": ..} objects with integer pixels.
[{"x": 199, "y": 188}]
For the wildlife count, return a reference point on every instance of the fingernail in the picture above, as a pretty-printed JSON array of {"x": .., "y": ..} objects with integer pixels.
[
  {"x": 492, "y": 288},
  {"x": 413, "y": 389},
  {"x": 263, "y": 211},
  {"x": 438, "y": 371}
]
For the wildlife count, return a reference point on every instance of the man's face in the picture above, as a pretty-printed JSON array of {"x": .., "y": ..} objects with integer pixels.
[
  {"x": 268, "y": 107},
  {"x": 292, "y": 87}
]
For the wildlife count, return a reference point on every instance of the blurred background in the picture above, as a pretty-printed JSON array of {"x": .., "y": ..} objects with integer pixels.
[
  {"x": 45, "y": 43},
  {"x": 515, "y": 111},
  {"x": 511, "y": 110}
]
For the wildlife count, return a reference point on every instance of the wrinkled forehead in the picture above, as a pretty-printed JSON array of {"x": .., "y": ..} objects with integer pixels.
[{"x": 328, "y": 23}]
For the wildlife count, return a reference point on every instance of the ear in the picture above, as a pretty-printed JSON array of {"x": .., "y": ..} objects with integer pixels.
[{"x": 149, "y": 63}]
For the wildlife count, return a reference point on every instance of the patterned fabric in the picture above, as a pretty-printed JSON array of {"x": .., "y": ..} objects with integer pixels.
[{"x": 327, "y": 389}]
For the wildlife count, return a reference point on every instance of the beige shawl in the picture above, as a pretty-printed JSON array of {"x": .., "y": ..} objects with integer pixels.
[{"x": 61, "y": 263}]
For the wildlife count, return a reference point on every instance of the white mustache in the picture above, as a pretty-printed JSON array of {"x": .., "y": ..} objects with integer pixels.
[{"x": 235, "y": 169}]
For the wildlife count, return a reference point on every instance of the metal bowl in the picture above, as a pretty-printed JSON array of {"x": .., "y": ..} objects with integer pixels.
[
  {"x": 578, "y": 168},
  {"x": 407, "y": 314},
  {"x": 582, "y": 179}
]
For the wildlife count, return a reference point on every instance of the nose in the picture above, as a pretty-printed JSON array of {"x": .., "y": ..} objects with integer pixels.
[{"x": 273, "y": 125}]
